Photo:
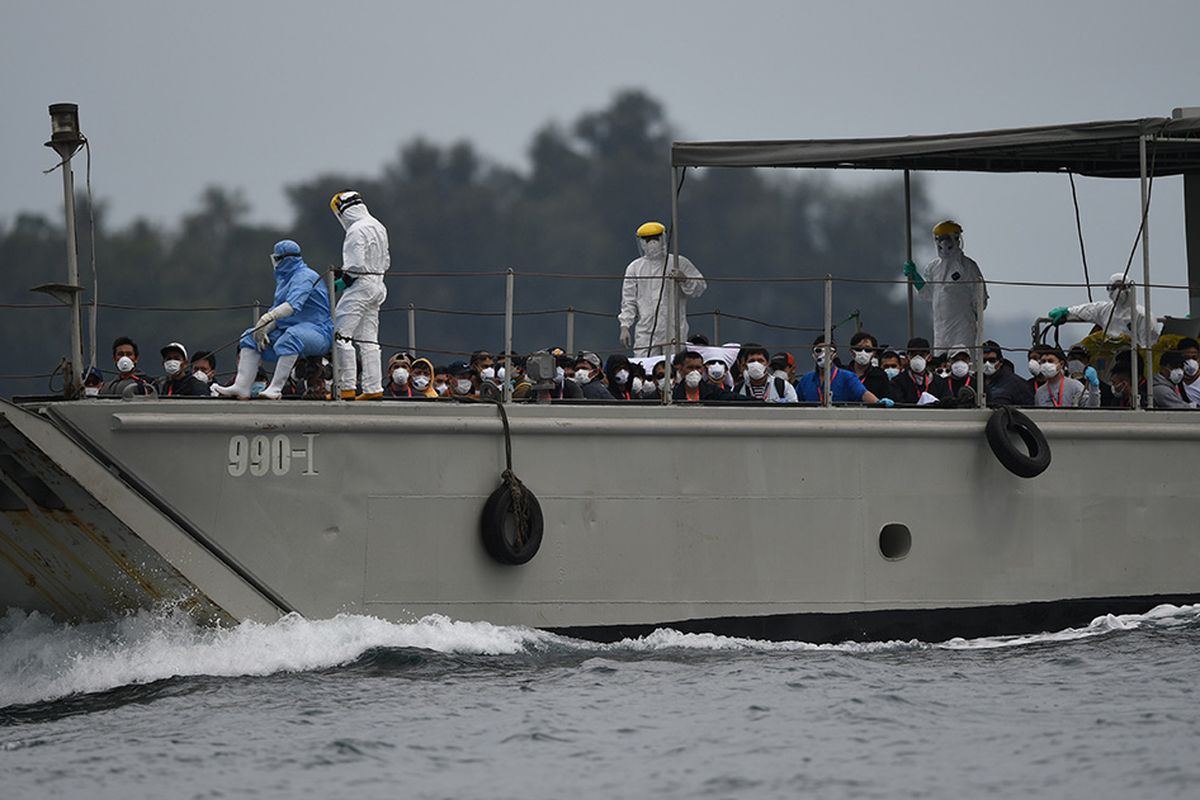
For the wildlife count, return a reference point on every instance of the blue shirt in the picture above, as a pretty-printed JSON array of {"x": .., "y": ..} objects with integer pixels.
[{"x": 847, "y": 388}]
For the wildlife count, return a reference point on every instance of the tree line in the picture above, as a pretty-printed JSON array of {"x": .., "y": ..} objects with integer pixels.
[{"x": 572, "y": 211}]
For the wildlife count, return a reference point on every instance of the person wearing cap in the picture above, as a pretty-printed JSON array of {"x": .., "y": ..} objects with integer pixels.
[
  {"x": 397, "y": 382},
  {"x": 464, "y": 381},
  {"x": 844, "y": 385},
  {"x": 1114, "y": 317},
  {"x": 1061, "y": 391},
  {"x": 916, "y": 384},
  {"x": 1078, "y": 361},
  {"x": 590, "y": 377},
  {"x": 1001, "y": 384},
  {"x": 953, "y": 283},
  {"x": 644, "y": 300},
  {"x": 177, "y": 380}
]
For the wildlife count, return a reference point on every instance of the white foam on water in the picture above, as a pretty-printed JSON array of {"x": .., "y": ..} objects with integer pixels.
[{"x": 41, "y": 660}]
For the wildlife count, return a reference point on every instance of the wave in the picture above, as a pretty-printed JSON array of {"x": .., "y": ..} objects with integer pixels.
[{"x": 41, "y": 660}]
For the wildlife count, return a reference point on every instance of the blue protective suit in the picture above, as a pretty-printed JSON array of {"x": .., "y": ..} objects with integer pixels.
[{"x": 309, "y": 329}]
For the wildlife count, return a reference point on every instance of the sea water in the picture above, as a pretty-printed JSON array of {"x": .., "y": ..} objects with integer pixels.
[{"x": 355, "y": 707}]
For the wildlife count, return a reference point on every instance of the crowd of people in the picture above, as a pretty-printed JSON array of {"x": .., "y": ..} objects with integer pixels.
[{"x": 298, "y": 335}]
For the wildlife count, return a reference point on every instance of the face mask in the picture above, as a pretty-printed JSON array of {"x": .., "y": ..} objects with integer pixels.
[
  {"x": 662, "y": 383},
  {"x": 1075, "y": 367},
  {"x": 1049, "y": 369},
  {"x": 959, "y": 369},
  {"x": 819, "y": 357},
  {"x": 862, "y": 357},
  {"x": 692, "y": 379},
  {"x": 500, "y": 373},
  {"x": 172, "y": 367},
  {"x": 1191, "y": 367},
  {"x": 91, "y": 391},
  {"x": 420, "y": 381},
  {"x": 441, "y": 388},
  {"x": 943, "y": 373},
  {"x": 892, "y": 372},
  {"x": 874, "y": 361},
  {"x": 946, "y": 246},
  {"x": 653, "y": 248},
  {"x": 990, "y": 367},
  {"x": 559, "y": 375},
  {"x": 636, "y": 386},
  {"x": 1035, "y": 367},
  {"x": 781, "y": 374},
  {"x": 756, "y": 370},
  {"x": 583, "y": 377},
  {"x": 1115, "y": 293},
  {"x": 462, "y": 386},
  {"x": 201, "y": 376},
  {"x": 124, "y": 364},
  {"x": 917, "y": 364},
  {"x": 716, "y": 371},
  {"x": 622, "y": 376},
  {"x": 1176, "y": 375},
  {"x": 399, "y": 376},
  {"x": 487, "y": 373}
]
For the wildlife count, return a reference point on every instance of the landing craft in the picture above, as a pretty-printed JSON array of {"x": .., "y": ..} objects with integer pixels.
[{"x": 796, "y": 532}]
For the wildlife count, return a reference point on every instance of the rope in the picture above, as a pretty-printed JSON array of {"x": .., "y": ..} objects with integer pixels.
[
  {"x": 516, "y": 488},
  {"x": 1079, "y": 230}
]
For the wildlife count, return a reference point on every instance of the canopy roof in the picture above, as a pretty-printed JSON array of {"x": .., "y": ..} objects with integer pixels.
[{"x": 1099, "y": 149}]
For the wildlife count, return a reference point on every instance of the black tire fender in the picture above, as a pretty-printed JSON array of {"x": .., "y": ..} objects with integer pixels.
[
  {"x": 1005, "y": 424},
  {"x": 498, "y": 524}
]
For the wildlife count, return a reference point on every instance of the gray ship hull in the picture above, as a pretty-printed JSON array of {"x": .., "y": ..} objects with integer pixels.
[{"x": 750, "y": 520}]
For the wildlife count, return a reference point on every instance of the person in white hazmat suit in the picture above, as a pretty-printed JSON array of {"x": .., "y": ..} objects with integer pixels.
[
  {"x": 1113, "y": 316},
  {"x": 953, "y": 288},
  {"x": 365, "y": 260},
  {"x": 644, "y": 300}
]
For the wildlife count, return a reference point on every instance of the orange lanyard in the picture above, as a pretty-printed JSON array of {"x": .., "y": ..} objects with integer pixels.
[
  {"x": 820, "y": 382},
  {"x": 1058, "y": 402}
]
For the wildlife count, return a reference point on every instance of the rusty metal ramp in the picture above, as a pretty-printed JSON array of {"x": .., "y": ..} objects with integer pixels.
[{"x": 79, "y": 543}]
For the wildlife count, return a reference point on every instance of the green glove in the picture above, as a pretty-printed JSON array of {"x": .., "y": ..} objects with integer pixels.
[
  {"x": 910, "y": 272},
  {"x": 1059, "y": 315},
  {"x": 339, "y": 286}
]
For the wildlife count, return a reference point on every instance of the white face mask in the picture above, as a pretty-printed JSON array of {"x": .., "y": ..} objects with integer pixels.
[
  {"x": 487, "y": 373},
  {"x": 662, "y": 383},
  {"x": 559, "y": 375},
  {"x": 892, "y": 372},
  {"x": 1075, "y": 367},
  {"x": 124, "y": 364},
  {"x": 917, "y": 364},
  {"x": 91, "y": 391},
  {"x": 420, "y": 382},
  {"x": 399, "y": 376},
  {"x": 947, "y": 246},
  {"x": 756, "y": 370},
  {"x": 500, "y": 373},
  {"x": 653, "y": 248},
  {"x": 990, "y": 367},
  {"x": 959, "y": 369},
  {"x": 462, "y": 386},
  {"x": 716, "y": 371},
  {"x": 862, "y": 357},
  {"x": 636, "y": 386},
  {"x": 819, "y": 357},
  {"x": 172, "y": 366},
  {"x": 441, "y": 388},
  {"x": 201, "y": 375},
  {"x": 692, "y": 379},
  {"x": 583, "y": 376},
  {"x": 1191, "y": 367},
  {"x": 1176, "y": 375},
  {"x": 1035, "y": 367},
  {"x": 1049, "y": 370},
  {"x": 622, "y": 376},
  {"x": 944, "y": 372}
]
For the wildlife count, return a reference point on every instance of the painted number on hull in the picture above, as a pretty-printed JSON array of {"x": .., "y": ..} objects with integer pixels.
[{"x": 270, "y": 455}]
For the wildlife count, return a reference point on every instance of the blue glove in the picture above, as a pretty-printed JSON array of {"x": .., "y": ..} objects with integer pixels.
[
  {"x": 1059, "y": 315},
  {"x": 886, "y": 402},
  {"x": 1092, "y": 377},
  {"x": 910, "y": 272}
]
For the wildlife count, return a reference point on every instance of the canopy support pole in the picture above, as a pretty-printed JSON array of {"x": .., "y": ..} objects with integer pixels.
[
  {"x": 1145, "y": 182},
  {"x": 671, "y": 289},
  {"x": 908, "y": 245},
  {"x": 1191, "y": 226}
]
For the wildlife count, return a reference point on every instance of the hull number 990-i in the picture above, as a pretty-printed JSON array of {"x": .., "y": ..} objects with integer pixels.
[{"x": 270, "y": 455}]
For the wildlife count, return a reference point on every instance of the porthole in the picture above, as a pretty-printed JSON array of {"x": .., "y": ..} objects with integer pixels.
[{"x": 895, "y": 540}]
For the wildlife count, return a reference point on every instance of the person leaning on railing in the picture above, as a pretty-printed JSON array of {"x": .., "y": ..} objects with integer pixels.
[
  {"x": 1168, "y": 382},
  {"x": 864, "y": 354},
  {"x": 1061, "y": 391},
  {"x": 1190, "y": 350},
  {"x": 1001, "y": 384},
  {"x": 760, "y": 382},
  {"x": 129, "y": 377},
  {"x": 844, "y": 385}
]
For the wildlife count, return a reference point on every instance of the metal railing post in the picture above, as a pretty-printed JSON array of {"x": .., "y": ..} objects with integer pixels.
[
  {"x": 508, "y": 332},
  {"x": 908, "y": 246},
  {"x": 412, "y": 330},
  {"x": 1149, "y": 315},
  {"x": 980, "y": 388},
  {"x": 827, "y": 363},
  {"x": 335, "y": 393},
  {"x": 571, "y": 331},
  {"x": 716, "y": 340}
]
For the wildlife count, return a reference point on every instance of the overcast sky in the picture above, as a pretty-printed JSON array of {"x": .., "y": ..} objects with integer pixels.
[{"x": 176, "y": 96}]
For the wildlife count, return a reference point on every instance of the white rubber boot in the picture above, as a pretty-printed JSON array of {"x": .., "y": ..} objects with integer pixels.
[
  {"x": 248, "y": 361},
  {"x": 283, "y": 368}
]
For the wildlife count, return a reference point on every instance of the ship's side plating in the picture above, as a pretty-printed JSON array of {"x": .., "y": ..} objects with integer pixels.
[{"x": 733, "y": 517}]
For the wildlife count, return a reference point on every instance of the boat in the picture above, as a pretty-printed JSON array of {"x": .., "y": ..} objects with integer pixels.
[{"x": 825, "y": 523}]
